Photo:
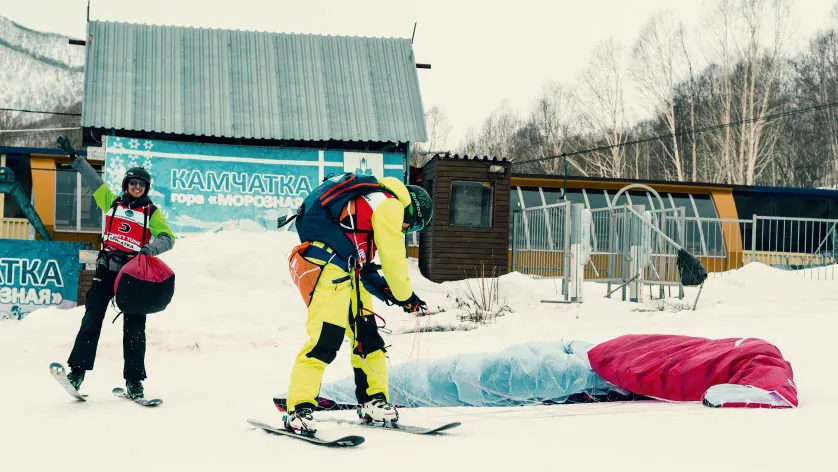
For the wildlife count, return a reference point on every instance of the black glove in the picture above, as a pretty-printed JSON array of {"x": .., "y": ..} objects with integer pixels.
[
  {"x": 65, "y": 145},
  {"x": 147, "y": 251},
  {"x": 413, "y": 304}
]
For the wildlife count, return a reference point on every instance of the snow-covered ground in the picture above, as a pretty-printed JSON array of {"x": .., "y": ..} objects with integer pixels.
[{"x": 225, "y": 347}]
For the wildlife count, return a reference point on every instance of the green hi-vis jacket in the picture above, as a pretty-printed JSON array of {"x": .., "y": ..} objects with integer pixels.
[{"x": 125, "y": 218}]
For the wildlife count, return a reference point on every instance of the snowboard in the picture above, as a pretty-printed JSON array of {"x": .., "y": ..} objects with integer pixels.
[
  {"x": 120, "y": 392},
  {"x": 60, "y": 376},
  {"x": 345, "y": 441}
]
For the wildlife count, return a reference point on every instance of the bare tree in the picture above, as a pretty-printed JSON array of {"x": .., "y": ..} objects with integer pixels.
[
  {"x": 439, "y": 128},
  {"x": 750, "y": 74},
  {"x": 828, "y": 92},
  {"x": 496, "y": 135},
  {"x": 692, "y": 91},
  {"x": 603, "y": 109},
  {"x": 548, "y": 131},
  {"x": 812, "y": 159},
  {"x": 720, "y": 149},
  {"x": 470, "y": 144},
  {"x": 657, "y": 67}
]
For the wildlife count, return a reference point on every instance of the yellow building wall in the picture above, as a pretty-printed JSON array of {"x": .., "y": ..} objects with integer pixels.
[
  {"x": 43, "y": 196},
  {"x": 731, "y": 230},
  {"x": 43, "y": 190}
]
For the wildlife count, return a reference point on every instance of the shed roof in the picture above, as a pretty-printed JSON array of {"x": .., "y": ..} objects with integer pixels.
[{"x": 251, "y": 85}]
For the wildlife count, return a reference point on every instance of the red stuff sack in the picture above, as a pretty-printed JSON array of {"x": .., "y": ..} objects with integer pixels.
[{"x": 144, "y": 285}]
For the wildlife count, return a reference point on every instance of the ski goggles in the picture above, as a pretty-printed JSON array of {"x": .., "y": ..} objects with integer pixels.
[{"x": 137, "y": 183}]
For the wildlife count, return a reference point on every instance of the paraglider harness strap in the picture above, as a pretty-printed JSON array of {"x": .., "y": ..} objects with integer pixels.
[
  {"x": 363, "y": 328},
  {"x": 109, "y": 254},
  {"x": 320, "y": 252},
  {"x": 356, "y": 286}
]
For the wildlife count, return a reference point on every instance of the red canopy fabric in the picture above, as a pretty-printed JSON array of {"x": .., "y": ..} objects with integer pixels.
[{"x": 745, "y": 372}]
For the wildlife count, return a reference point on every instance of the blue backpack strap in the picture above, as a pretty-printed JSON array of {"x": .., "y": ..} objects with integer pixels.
[
  {"x": 319, "y": 252},
  {"x": 318, "y": 217}
]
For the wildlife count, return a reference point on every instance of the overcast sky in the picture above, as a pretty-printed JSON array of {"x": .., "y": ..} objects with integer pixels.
[{"x": 482, "y": 52}]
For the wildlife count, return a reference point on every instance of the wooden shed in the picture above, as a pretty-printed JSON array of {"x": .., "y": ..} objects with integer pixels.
[{"x": 469, "y": 233}]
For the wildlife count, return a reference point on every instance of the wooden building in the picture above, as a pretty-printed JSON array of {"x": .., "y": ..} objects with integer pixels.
[{"x": 469, "y": 233}]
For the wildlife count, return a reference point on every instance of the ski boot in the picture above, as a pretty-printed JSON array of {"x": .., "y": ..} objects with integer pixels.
[
  {"x": 76, "y": 377},
  {"x": 134, "y": 389},
  {"x": 379, "y": 410},
  {"x": 301, "y": 421}
]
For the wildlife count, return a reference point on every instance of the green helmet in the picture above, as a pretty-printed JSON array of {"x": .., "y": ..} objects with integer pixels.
[{"x": 420, "y": 211}]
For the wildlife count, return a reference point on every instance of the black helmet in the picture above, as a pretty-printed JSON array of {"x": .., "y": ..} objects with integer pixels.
[
  {"x": 420, "y": 211},
  {"x": 137, "y": 173}
]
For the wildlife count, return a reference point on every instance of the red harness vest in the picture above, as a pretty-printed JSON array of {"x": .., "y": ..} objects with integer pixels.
[
  {"x": 356, "y": 222},
  {"x": 126, "y": 229}
]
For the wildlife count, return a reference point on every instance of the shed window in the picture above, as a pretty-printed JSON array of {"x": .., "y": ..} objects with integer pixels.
[
  {"x": 471, "y": 204},
  {"x": 75, "y": 208}
]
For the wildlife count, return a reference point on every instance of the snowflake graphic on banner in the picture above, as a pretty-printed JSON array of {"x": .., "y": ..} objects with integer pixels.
[
  {"x": 125, "y": 153},
  {"x": 147, "y": 165},
  {"x": 133, "y": 161},
  {"x": 116, "y": 167}
]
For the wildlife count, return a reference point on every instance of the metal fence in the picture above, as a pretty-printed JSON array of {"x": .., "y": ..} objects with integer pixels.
[
  {"x": 632, "y": 245},
  {"x": 808, "y": 246},
  {"x": 539, "y": 240}
]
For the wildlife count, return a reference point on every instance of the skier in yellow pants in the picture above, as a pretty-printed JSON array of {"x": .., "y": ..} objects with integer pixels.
[
  {"x": 336, "y": 278},
  {"x": 326, "y": 325}
]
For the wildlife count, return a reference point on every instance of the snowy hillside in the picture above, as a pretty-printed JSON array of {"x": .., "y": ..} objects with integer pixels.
[
  {"x": 41, "y": 71},
  {"x": 225, "y": 347}
]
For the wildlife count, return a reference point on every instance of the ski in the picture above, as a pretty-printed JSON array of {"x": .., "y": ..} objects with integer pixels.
[
  {"x": 324, "y": 404},
  {"x": 120, "y": 392},
  {"x": 345, "y": 441},
  {"x": 60, "y": 376},
  {"x": 405, "y": 428}
]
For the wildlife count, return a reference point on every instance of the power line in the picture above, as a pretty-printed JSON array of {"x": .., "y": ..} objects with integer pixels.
[
  {"x": 687, "y": 133},
  {"x": 41, "y": 112},
  {"x": 36, "y": 129}
]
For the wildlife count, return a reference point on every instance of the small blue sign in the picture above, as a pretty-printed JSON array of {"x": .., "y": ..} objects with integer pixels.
[{"x": 37, "y": 274}]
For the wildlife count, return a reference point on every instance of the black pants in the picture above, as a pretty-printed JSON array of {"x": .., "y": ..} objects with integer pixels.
[{"x": 133, "y": 330}]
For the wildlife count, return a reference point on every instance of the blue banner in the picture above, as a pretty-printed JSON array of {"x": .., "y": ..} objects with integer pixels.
[
  {"x": 37, "y": 274},
  {"x": 209, "y": 187}
]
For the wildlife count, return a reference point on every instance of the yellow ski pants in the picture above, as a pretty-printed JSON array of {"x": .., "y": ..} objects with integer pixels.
[{"x": 333, "y": 304}]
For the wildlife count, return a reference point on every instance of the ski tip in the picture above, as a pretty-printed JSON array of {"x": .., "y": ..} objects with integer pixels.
[
  {"x": 350, "y": 441},
  {"x": 56, "y": 366},
  {"x": 120, "y": 392},
  {"x": 446, "y": 427},
  {"x": 345, "y": 441}
]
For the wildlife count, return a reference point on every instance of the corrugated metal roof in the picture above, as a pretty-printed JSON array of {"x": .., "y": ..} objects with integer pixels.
[{"x": 252, "y": 85}]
